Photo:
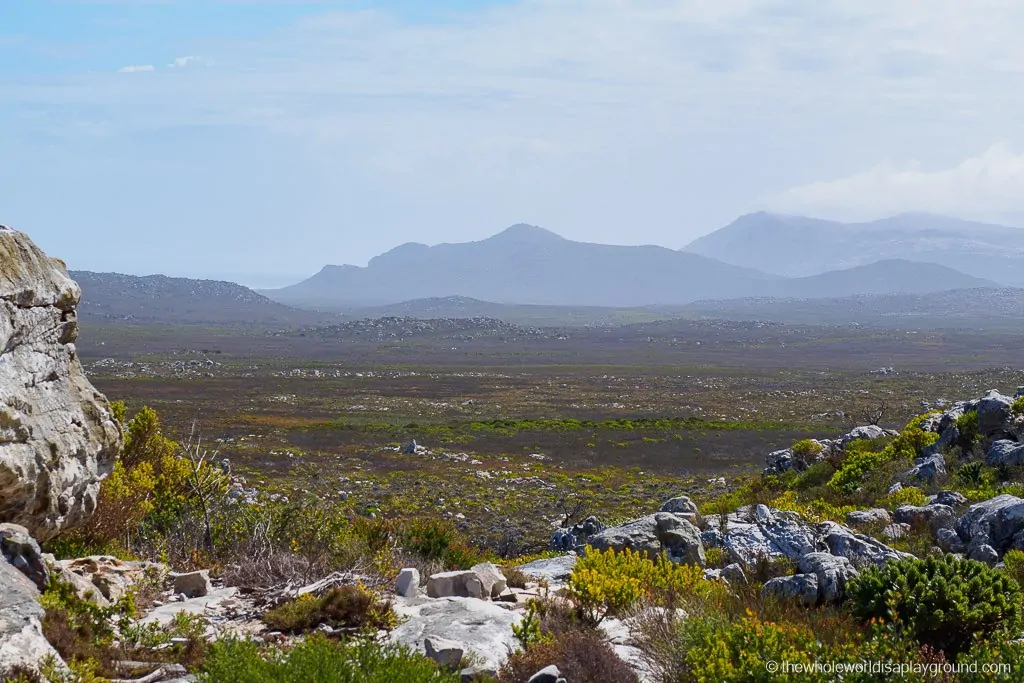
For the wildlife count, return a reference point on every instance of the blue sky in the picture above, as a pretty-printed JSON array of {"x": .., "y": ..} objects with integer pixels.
[{"x": 259, "y": 140}]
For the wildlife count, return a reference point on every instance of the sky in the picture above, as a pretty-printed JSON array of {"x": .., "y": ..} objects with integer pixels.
[{"x": 258, "y": 141}]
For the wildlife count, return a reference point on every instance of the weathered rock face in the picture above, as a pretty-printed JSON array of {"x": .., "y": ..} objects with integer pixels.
[
  {"x": 22, "y": 643},
  {"x": 58, "y": 438}
]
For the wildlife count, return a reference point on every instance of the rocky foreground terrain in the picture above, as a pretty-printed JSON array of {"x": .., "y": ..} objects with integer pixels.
[{"x": 831, "y": 530}]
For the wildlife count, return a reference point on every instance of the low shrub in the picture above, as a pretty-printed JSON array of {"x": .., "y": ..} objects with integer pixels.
[
  {"x": 607, "y": 583},
  {"x": 908, "y": 495},
  {"x": 860, "y": 460},
  {"x": 340, "y": 607},
  {"x": 943, "y": 603},
  {"x": 514, "y": 577},
  {"x": 967, "y": 425},
  {"x": 581, "y": 657},
  {"x": 318, "y": 659},
  {"x": 1017, "y": 407},
  {"x": 1013, "y": 565}
]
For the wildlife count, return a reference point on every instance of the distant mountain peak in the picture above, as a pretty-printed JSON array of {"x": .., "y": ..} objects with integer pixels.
[{"x": 524, "y": 232}]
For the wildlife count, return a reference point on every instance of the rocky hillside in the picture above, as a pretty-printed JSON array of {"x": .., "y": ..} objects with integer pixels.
[{"x": 114, "y": 298}]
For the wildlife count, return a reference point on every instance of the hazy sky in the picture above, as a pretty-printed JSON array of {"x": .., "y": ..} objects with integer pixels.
[{"x": 250, "y": 138}]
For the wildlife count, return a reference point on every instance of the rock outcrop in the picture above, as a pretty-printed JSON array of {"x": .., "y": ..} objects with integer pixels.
[
  {"x": 58, "y": 438},
  {"x": 22, "y": 644}
]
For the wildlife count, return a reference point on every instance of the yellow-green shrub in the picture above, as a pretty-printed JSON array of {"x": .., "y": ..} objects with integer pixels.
[
  {"x": 908, "y": 495},
  {"x": 606, "y": 583},
  {"x": 815, "y": 510},
  {"x": 907, "y": 446}
]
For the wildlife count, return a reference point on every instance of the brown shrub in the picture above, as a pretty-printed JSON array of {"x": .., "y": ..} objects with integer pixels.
[
  {"x": 581, "y": 656},
  {"x": 515, "y": 577},
  {"x": 341, "y": 607}
]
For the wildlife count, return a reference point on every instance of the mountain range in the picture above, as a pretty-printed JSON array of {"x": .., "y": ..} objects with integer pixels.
[
  {"x": 795, "y": 246},
  {"x": 525, "y": 264}
]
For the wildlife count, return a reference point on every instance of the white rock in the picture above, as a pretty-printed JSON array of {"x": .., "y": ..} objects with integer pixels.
[{"x": 408, "y": 584}]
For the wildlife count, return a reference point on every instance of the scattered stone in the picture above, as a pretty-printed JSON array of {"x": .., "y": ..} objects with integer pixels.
[
  {"x": 860, "y": 550},
  {"x": 999, "y": 519},
  {"x": 447, "y": 653},
  {"x": 192, "y": 584},
  {"x": 112, "y": 577},
  {"x": 951, "y": 498},
  {"x": 463, "y": 584},
  {"x": 949, "y": 541},
  {"x": 408, "y": 584}
]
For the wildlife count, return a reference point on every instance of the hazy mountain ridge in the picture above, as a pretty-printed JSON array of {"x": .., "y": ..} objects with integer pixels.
[
  {"x": 119, "y": 298},
  {"x": 795, "y": 246},
  {"x": 527, "y": 265}
]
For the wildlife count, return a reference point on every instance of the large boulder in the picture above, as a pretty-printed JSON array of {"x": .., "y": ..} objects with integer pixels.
[
  {"x": 865, "y": 432},
  {"x": 993, "y": 413},
  {"x": 860, "y": 550},
  {"x": 832, "y": 572},
  {"x": 22, "y": 644},
  {"x": 483, "y": 629},
  {"x": 58, "y": 436},
  {"x": 768, "y": 534},
  {"x": 801, "y": 588},
  {"x": 1000, "y": 520},
  {"x": 1005, "y": 452},
  {"x": 927, "y": 468},
  {"x": 554, "y": 570},
  {"x": 654, "y": 534},
  {"x": 872, "y": 517},
  {"x": 463, "y": 584},
  {"x": 685, "y": 508},
  {"x": 935, "y": 516}
]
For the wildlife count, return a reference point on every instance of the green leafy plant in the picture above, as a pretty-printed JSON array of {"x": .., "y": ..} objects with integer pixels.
[
  {"x": 858, "y": 463},
  {"x": 1017, "y": 407},
  {"x": 967, "y": 425},
  {"x": 944, "y": 603},
  {"x": 321, "y": 660},
  {"x": 606, "y": 583}
]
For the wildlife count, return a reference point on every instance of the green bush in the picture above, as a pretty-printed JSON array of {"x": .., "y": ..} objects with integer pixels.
[
  {"x": 1017, "y": 407},
  {"x": 318, "y": 659},
  {"x": 967, "y": 425},
  {"x": 943, "y": 603},
  {"x": 608, "y": 583},
  {"x": 860, "y": 460},
  {"x": 341, "y": 607},
  {"x": 1013, "y": 565}
]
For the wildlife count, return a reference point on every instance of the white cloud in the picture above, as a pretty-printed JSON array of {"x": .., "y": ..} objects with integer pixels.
[
  {"x": 183, "y": 61},
  {"x": 136, "y": 69},
  {"x": 989, "y": 184}
]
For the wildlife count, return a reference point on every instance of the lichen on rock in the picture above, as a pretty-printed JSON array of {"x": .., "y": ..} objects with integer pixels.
[{"x": 58, "y": 436}]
